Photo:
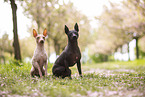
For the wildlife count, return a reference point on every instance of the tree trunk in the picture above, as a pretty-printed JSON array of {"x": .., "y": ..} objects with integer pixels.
[
  {"x": 137, "y": 48},
  {"x": 128, "y": 52},
  {"x": 16, "y": 41}
]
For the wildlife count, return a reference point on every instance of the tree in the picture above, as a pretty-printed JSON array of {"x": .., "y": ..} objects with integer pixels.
[
  {"x": 120, "y": 24},
  {"x": 28, "y": 45},
  {"x": 134, "y": 23},
  {"x": 54, "y": 16},
  {"x": 5, "y": 46},
  {"x": 142, "y": 46},
  {"x": 111, "y": 34},
  {"x": 15, "y": 33}
]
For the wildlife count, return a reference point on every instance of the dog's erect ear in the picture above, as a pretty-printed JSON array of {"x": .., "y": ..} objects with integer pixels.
[
  {"x": 66, "y": 29},
  {"x": 34, "y": 33},
  {"x": 76, "y": 27},
  {"x": 45, "y": 32}
]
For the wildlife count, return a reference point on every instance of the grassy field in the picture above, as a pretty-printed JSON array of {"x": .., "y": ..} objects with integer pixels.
[{"x": 110, "y": 79}]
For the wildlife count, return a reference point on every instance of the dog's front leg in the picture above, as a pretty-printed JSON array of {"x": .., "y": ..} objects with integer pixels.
[
  {"x": 79, "y": 68},
  {"x": 46, "y": 68},
  {"x": 36, "y": 65}
]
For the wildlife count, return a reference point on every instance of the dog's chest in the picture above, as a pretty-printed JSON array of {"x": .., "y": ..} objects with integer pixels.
[
  {"x": 73, "y": 57},
  {"x": 40, "y": 57}
]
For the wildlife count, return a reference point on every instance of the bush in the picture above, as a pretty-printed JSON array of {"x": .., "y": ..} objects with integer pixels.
[{"x": 99, "y": 58}]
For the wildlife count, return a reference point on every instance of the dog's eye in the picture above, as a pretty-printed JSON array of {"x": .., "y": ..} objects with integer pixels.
[
  {"x": 76, "y": 33},
  {"x": 43, "y": 37},
  {"x": 38, "y": 37},
  {"x": 71, "y": 34}
]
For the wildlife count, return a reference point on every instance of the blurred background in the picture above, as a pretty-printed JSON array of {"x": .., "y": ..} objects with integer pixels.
[{"x": 110, "y": 30}]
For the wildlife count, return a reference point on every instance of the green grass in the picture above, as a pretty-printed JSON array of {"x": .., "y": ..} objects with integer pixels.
[{"x": 110, "y": 79}]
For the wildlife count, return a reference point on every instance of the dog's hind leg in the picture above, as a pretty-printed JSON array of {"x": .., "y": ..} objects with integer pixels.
[
  {"x": 58, "y": 71},
  {"x": 61, "y": 72},
  {"x": 32, "y": 73},
  {"x": 43, "y": 71},
  {"x": 67, "y": 73},
  {"x": 36, "y": 65}
]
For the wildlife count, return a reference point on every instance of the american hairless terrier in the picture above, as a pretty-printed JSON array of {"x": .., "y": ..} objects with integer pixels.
[
  {"x": 40, "y": 57},
  {"x": 70, "y": 56}
]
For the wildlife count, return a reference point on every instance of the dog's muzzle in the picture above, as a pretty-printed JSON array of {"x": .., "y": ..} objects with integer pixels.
[
  {"x": 74, "y": 37},
  {"x": 41, "y": 41}
]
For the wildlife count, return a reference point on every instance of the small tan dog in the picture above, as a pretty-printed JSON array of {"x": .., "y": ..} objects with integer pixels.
[{"x": 39, "y": 58}]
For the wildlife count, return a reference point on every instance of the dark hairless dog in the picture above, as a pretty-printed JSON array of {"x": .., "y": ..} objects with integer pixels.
[{"x": 70, "y": 56}]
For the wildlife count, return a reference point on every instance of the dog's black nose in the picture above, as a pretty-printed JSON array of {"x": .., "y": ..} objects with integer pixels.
[
  {"x": 75, "y": 37},
  {"x": 41, "y": 41}
]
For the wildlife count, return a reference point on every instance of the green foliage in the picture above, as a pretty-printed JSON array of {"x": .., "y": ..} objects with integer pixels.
[
  {"x": 103, "y": 79},
  {"x": 6, "y": 48},
  {"x": 6, "y": 44},
  {"x": 99, "y": 58},
  {"x": 53, "y": 16},
  {"x": 28, "y": 46},
  {"x": 142, "y": 46},
  {"x": 142, "y": 54},
  {"x": 118, "y": 25}
]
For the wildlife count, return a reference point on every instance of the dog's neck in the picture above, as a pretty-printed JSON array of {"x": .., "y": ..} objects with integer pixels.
[
  {"x": 72, "y": 43},
  {"x": 40, "y": 47}
]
